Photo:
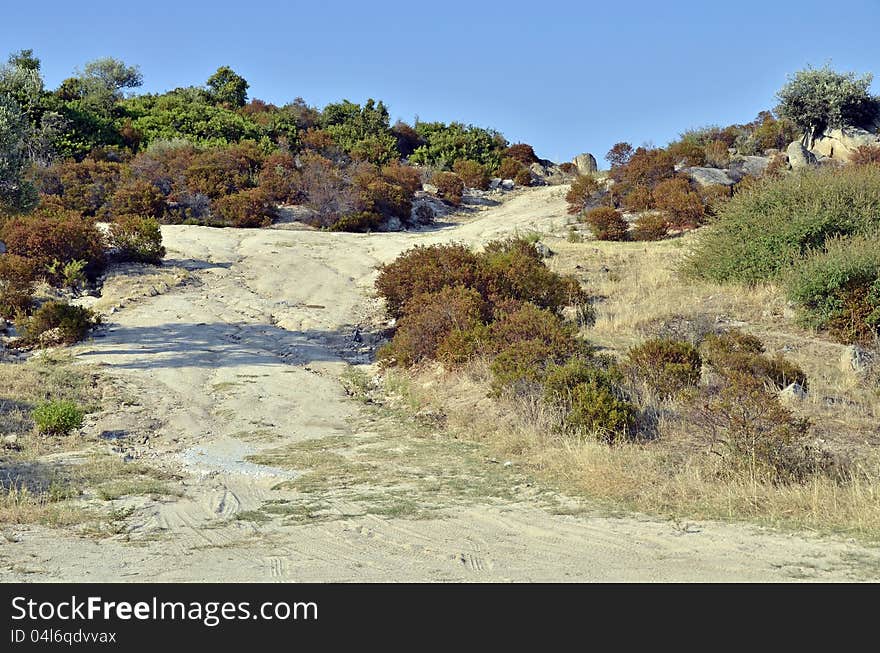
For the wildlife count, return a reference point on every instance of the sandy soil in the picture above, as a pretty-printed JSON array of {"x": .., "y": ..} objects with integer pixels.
[{"x": 254, "y": 343}]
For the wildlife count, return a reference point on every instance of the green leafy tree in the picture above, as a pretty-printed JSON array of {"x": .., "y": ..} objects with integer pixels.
[
  {"x": 228, "y": 88},
  {"x": 446, "y": 144},
  {"x": 103, "y": 82},
  {"x": 364, "y": 132},
  {"x": 816, "y": 99},
  {"x": 16, "y": 192}
]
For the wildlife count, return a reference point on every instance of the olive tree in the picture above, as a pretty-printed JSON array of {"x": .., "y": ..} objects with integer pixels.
[{"x": 816, "y": 99}]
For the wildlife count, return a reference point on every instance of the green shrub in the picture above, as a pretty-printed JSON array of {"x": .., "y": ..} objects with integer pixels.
[
  {"x": 528, "y": 322},
  {"x": 777, "y": 222},
  {"x": 838, "y": 289},
  {"x": 57, "y": 417},
  {"x": 67, "y": 323},
  {"x": 606, "y": 223},
  {"x": 359, "y": 222},
  {"x": 426, "y": 270},
  {"x": 735, "y": 353},
  {"x": 445, "y": 144},
  {"x": 522, "y": 365},
  {"x": 450, "y": 187},
  {"x": 472, "y": 174},
  {"x": 666, "y": 367},
  {"x": 136, "y": 239},
  {"x": 592, "y": 400}
]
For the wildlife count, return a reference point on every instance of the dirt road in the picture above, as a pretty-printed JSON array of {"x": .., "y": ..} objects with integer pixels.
[{"x": 246, "y": 359}]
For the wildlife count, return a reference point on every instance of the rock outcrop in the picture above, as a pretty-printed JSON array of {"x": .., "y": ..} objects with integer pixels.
[
  {"x": 709, "y": 176},
  {"x": 839, "y": 144},
  {"x": 585, "y": 163},
  {"x": 799, "y": 157}
]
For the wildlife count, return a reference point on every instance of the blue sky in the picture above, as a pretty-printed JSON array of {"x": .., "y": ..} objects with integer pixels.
[{"x": 566, "y": 77}]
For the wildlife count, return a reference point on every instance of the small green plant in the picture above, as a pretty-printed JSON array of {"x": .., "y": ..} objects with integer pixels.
[
  {"x": 72, "y": 274},
  {"x": 56, "y": 323},
  {"x": 666, "y": 367},
  {"x": 57, "y": 417},
  {"x": 136, "y": 239},
  {"x": 589, "y": 393},
  {"x": 735, "y": 353}
]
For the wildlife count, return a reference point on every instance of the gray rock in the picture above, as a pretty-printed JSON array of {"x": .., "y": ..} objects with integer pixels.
[
  {"x": 426, "y": 209},
  {"x": 856, "y": 359},
  {"x": 800, "y": 157},
  {"x": 709, "y": 176},
  {"x": 10, "y": 441},
  {"x": 543, "y": 250},
  {"x": 755, "y": 165},
  {"x": 585, "y": 163},
  {"x": 793, "y": 392},
  {"x": 495, "y": 183},
  {"x": 393, "y": 224},
  {"x": 508, "y": 184}
]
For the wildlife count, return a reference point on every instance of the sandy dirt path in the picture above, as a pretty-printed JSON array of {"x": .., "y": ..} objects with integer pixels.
[{"x": 256, "y": 343}]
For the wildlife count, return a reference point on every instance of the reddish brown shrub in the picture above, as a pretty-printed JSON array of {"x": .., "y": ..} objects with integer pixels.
[
  {"x": 164, "y": 166},
  {"x": 450, "y": 187},
  {"x": 650, "y": 226},
  {"x": 429, "y": 319},
  {"x": 635, "y": 198},
  {"x": 514, "y": 274},
  {"x": 865, "y": 155},
  {"x": 683, "y": 207},
  {"x": 17, "y": 279},
  {"x": 529, "y": 322},
  {"x": 666, "y": 367},
  {"x": 51, "y": 234},
  {"x": 426, "y": 270},
  {"x": 619, "y": 155},
  {"x": 224, "y": 170},
  {"x": 606, "y": 223},
  {"x": 582, "y": 190},
  {"x": 137, "y": 197},
  {"x": 318, "y": 140},
  {"x": 687, "y": 152},
  {"x": 509, "y": 168},
  {"x": 472, "y": 173},
  {"x": 280, "y": 179},
  {"x": 521, "y": 152},
  {"x": 523, "y": 177},
  {"x": 87, "y": 185},
  {"x": 247, "y": 208},
  {"x": 717, "y": 154},
  {"x": 404, "y": 176}
]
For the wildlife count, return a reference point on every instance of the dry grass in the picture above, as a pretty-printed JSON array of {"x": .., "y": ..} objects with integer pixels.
[{"x": 636, "y": 284}]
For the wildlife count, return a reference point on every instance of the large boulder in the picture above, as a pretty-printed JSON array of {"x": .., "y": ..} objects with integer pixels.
[
  {"x": 800, "y": 157},
  {"x": 754, "y": 166},
  {"x": 585, "y": 163},
  {"x": 709, "y": 176},
  {"x": 839, "y": 144}
]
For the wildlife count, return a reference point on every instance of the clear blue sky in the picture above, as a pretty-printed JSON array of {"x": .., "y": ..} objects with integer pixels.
[{"x": 564, "y": 76}]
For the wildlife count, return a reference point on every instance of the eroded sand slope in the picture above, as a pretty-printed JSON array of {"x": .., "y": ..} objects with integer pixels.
[{"x": 255, "y": 343}]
